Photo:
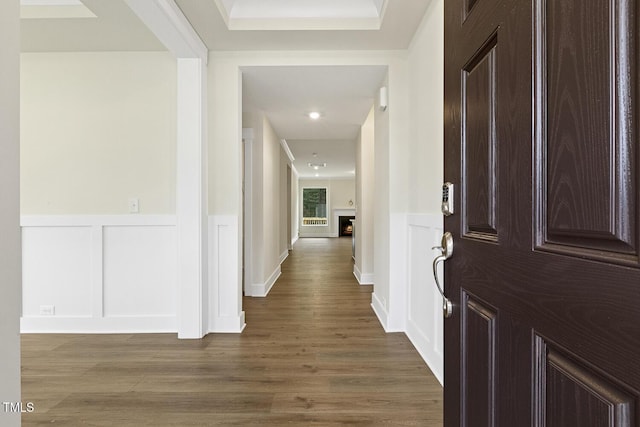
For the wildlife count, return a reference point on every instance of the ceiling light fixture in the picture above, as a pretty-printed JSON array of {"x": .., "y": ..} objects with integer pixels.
[
  {"x": 314, "y": 115},
  {"x": 317, "y": 166}
]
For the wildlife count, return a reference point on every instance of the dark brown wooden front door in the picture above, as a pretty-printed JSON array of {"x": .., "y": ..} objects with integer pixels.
[{"x": 541, "y": 141}]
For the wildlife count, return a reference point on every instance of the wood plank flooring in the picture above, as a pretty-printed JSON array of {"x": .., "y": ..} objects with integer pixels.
[{"x": 313, "y": 353}]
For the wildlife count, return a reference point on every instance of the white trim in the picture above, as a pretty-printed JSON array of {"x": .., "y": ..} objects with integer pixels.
[
  {"x": 261, "y": 290},
  {"x": 105, "y": 325},
  {"x": 379, "y": 310},
  {"x": 301, "y": 208},
  {"x": 311, "y": 235},
  {"x": 294, "y": 239},
  {"x": 167, "y": 22},
  {"x": 284, "y": 255},
  {"x": 228, "y": 324},
  {"x": 433, "y": 358},
  {"x": 363, "y": 279},
  {"x": 96, "y": 220},
  {"x": 287, "y": 150}
]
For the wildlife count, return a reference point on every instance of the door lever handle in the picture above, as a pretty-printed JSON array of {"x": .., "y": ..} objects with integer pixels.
[{"x": 446, "y": 251}]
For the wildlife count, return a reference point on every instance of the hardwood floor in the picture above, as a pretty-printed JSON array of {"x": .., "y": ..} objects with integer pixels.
[{"x": 313, "y": 353}]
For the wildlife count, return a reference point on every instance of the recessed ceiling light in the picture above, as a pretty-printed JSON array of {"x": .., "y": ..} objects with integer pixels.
[
  {"x": 317, "y": 166},
  {"x": 314, "y": 115}
]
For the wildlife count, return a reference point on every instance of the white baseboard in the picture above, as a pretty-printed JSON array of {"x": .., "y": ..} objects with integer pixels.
[
  {"x": 227, "y": 324},
  {"x": 309, "y": 235},
  {"x": 284, "y": 255},
  {"x": 99, "y": 325},
  {"x": 427, "y": 349},
  {"x": 363, "y": 279},
  {"x": 379, "y": 310},
  {"x": 294, "y": 240},
  {"x": 262, "y": 289}
]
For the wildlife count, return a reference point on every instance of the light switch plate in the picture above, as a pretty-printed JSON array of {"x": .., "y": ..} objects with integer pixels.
[{"x": 134, "y": 205}]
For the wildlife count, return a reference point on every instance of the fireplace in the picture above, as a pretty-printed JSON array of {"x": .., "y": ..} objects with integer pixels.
[{"x": 345, "y": 227}]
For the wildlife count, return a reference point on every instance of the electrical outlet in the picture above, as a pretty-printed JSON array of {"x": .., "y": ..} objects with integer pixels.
[{"x": 47, "y": 310}]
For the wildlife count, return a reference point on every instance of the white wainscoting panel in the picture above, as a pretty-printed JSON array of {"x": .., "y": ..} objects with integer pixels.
[
  {"x": 140, "y": 271},
  {"x": 225, "y": 275},
  {"x": 425, "y": 321},
  {"x": 102, "y": 274},
  {"x": 57, "y": 271}
]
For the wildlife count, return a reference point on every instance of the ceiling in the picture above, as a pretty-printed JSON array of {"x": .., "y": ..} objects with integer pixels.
[{"x": 342, "y": 94}]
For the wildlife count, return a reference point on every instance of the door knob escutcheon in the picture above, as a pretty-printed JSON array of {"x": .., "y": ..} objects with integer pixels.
[{"x": 446, "y": 251}]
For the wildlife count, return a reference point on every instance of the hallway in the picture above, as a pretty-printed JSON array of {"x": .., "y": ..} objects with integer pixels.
[{"x": 313, "y": 353}]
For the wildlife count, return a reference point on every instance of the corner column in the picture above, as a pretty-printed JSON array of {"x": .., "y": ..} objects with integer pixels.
[{"x": 191, "y": 196}]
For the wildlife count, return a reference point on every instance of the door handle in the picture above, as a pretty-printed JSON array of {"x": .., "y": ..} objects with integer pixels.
[{"x": 446, "y": 251}]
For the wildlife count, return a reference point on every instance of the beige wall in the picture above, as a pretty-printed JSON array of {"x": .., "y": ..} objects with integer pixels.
[
  {"x": 381, "y": 203},
  {"x": 268, "y": 208},
  {"x": 272, "y": 188},
  {"x": 10, "y": 250},
  {"x": 224, "y": 111},
  {"x": 426, "y": 77},
  {"x": 96, "y": 130},
  {"x": 365, "y": 193}
]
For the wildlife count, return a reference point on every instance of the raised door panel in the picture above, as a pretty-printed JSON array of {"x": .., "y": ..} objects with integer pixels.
[
  {"x": 586, "y": 146},
  {"x": 571, "y": 394},
  {"x": 479, "y": 359},
  {"x": 479, "y": 143}
]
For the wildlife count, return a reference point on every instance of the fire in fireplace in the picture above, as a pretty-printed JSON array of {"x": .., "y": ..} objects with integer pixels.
[{"x": 345, "y": 226}]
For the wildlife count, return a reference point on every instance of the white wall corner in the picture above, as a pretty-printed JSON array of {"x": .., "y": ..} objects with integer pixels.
[{"x": 167, "y": 22}]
